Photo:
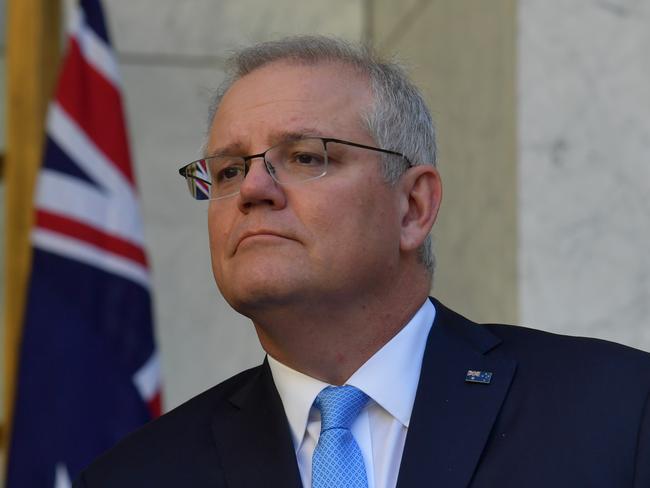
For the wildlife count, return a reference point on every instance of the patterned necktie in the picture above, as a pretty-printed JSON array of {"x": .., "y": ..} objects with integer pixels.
[{"x": 337, "y": 460}]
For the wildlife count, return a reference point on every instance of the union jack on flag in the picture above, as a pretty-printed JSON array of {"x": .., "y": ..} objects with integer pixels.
[{"x": 88, "y": 371}]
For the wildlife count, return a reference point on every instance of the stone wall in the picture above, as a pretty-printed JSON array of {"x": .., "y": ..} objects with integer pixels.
[
  {"x": 584, "y": 168},
  {"x": 462, "y": 55}
]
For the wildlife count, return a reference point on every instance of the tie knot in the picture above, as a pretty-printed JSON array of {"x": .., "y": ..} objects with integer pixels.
[{"x": 339, "y": 406}]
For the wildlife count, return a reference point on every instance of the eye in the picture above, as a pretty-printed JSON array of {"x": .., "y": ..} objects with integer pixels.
[
  {"x": 307, "y": 159},
  {"x": 228, "y": 173}
]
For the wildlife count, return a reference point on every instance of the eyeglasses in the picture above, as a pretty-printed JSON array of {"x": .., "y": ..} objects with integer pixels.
[{"x": 291, "y": 161}]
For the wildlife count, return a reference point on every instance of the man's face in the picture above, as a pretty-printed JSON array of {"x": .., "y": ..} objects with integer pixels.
[{"x": 316, "y": 242}]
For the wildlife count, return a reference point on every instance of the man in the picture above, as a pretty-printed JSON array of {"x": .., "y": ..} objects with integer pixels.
[{"x": 323, "y": 189}]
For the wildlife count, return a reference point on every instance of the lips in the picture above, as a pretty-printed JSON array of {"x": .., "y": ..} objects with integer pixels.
[{"x": 260, "y": 233}]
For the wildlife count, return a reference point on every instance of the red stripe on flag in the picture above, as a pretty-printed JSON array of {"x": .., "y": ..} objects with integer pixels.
[
  {"x": 155, "y": 405},
  {"x": 96, "y": 105},
  {"x": 91, "y": 235}
]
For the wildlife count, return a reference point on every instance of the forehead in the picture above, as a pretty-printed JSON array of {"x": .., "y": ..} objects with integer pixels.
[{"x": 327, "y": 99}]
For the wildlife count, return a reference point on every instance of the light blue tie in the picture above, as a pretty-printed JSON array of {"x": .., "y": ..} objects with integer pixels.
[{"x": 337, "y": 460}]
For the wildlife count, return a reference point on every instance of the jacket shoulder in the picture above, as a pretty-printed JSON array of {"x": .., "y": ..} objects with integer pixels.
[
  {"x": 551, "y": 346},
  {"x": 576, "y": 367},
  {"x": 537, "y": 347},
  {"x": 160, "y": 452}
]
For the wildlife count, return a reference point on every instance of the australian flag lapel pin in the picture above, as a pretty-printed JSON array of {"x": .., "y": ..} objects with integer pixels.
[{"x": 475, "y": 376}]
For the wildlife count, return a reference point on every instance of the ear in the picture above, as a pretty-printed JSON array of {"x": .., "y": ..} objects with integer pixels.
[{"x": 420, "y": 200}]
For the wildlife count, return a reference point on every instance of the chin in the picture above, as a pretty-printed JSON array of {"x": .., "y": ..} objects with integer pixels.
[
  {"x": 260, "y": 289},
  {"x": 256, "y": 301}
]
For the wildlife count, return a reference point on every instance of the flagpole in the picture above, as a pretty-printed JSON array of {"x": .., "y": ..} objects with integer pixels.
[{"x": 33, "y": 52}]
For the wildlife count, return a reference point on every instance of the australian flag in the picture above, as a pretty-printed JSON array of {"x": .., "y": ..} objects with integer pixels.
[{"x": 88, "y": 372}]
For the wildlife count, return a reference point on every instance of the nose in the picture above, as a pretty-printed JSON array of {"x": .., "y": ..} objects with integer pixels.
[{"x": 259, "y": 188}]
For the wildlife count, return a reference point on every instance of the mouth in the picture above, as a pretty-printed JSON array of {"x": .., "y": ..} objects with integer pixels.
[{"x": 260, "y": 237}]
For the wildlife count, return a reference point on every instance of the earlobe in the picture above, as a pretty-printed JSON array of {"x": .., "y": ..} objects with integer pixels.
[{"x": 421, "y": 194}]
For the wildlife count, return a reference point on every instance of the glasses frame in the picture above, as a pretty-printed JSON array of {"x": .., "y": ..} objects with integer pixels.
[{"x": 183, "y": 171}]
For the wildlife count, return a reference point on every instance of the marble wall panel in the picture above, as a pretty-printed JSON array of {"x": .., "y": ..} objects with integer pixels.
[
  {"x": 462, "y": 56},
  {"x": 210, "y": 27},
  {"x": 390, "y": 21},
  {"x": 584, "y": 160}
]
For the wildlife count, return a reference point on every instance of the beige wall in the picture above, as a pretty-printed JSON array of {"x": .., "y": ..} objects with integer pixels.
[{"x": 462, "y": 54}]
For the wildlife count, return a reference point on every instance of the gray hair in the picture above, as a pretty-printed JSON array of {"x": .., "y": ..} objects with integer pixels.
[{"x": 398, "y": 118}]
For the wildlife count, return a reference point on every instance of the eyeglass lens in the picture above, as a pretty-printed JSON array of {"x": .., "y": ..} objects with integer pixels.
[{"x": 289, "y": 162}]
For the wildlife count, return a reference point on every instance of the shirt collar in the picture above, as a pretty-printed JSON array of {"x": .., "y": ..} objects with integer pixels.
[
  {"x": 390, "y": 377},
  {"x": 298, "y": 392}
]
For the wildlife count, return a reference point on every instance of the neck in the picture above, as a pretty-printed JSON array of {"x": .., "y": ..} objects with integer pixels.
[{"x": 330, "y": 341}]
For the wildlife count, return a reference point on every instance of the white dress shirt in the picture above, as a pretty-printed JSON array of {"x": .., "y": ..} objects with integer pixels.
[{"x": 390, "y": 378}]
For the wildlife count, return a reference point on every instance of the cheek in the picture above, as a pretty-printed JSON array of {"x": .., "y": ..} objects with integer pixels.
[
  {"x": 379, "y": 224},
  {"x": 348, "y": 226},
  {"x": 213, "y": 228},
  {"x": 217, "y": 233}
]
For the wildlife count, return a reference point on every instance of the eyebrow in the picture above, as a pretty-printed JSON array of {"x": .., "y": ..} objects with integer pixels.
[{"x": 276, "y": 137}]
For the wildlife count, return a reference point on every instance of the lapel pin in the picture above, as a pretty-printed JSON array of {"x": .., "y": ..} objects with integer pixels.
[{"x": 474, "y": 376}]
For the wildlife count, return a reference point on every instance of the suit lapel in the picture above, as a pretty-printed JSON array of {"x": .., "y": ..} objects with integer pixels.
[
  {"x": 253, "y": 438},
  {"x": 452, "y": 419}
]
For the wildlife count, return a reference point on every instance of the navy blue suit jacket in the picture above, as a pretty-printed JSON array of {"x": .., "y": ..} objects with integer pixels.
[{"x": 558, "y": 412}]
